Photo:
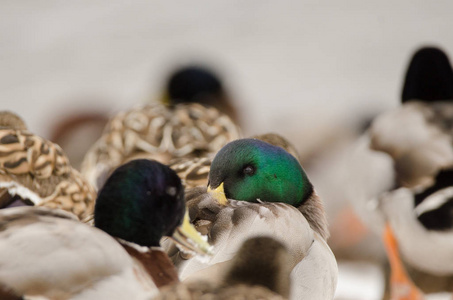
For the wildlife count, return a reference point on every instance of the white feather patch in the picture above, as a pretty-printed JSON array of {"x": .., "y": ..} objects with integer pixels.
[
  {"x": 434, "y": 201},
  {"x": 15, "y": 188}
]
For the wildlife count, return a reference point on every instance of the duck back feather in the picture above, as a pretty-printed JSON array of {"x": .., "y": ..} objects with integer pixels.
[{"x": 48, "y": 253}]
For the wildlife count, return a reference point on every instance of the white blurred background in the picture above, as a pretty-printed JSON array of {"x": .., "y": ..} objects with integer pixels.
[
  {"x": 313, "y": 71},
  {"x": 292, "y": 66}
]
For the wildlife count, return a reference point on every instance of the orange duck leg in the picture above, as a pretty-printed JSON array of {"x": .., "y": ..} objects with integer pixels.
[{"x": 401, "y": 286}]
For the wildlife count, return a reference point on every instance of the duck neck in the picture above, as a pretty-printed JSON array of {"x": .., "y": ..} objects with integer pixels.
[
  {"x": 156, "y": 263},
  {"x": 313, "y": 211}
]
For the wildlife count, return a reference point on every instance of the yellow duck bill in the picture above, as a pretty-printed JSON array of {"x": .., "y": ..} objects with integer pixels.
[
  {"x": 218, "y": 194},
  {"x": 190, "y": 240}
]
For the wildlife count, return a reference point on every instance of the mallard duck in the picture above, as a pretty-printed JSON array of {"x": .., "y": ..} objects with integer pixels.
[
  {"x": 273, "y": 196},
  {"x": 194, "y": 171},
  {"x": 35, "y": 171},
  {"x": 198, "y": 84},
  {"x": 411, "y": 149},
  {"x": 193, "y": 118},
  {"x": 158, "y": 132},
  {"x": 259, "y": 270},
  {"x": 420, "y": 227},
  {"x": 46, "y": 252}
]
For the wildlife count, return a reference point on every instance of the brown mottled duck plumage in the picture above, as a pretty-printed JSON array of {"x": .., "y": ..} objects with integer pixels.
[
  {"x": 38, "y": 172},
  {"x": 158, "y": 132}
]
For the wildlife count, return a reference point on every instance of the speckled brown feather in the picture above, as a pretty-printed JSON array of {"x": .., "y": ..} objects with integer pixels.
[
  {"x": 192, "y": 171},
  {"x": 11, "y": 120},
  {"x": 159, "y": 132},
  {"x": 38, "y": 170}
]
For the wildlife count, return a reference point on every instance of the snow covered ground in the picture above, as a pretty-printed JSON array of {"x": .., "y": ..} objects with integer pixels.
[{"x": 360, "y": 281}]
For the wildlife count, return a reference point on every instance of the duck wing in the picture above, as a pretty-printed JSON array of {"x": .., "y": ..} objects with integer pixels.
[
  {"x": 48, "y": 253},
  {"x": 229, "y": 226}
]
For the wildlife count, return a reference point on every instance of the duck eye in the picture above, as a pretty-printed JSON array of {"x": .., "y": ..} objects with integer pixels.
[
  {"x": 171, "y": 190},
  {"x": 248, "y": 170}
]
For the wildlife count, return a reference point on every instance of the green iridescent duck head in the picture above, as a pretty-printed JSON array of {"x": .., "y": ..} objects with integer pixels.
[{"x": 253, "y": 170}]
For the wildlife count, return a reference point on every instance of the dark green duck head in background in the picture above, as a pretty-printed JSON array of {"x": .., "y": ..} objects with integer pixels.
[{"x": 141, "y": 202}]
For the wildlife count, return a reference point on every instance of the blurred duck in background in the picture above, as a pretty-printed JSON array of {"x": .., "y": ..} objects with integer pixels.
[
  {"x": 178, "y": 127},
  {"x": 35, "y": 171},
  {"x": 258, "y": 189},
  {"x": 404, "y": 167},
  {"x": 78, "y": 131},
  {"x": 198, "y": 84},
  {"x": 6, "y": 293},
  {"x": 48, "y": 253}
]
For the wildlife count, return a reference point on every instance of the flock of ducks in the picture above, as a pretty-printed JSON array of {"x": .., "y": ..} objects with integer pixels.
[{"x": 172, "y": 202}]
